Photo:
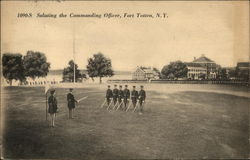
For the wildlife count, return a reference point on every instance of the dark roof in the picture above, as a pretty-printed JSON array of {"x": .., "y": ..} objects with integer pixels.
[
  {"x": 191, "y": 64},
  {"x": 203, "y": 59},
  {"x": 243, "y": 64}
]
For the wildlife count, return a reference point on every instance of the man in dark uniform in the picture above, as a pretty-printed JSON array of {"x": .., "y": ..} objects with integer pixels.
[
  {"x": 120, "y": 95},
  {"x": 134, "y": 96},
  {"x": 52, "y": 107},
  {"x": 126, "y": 93},
  {"x": 115, "y": 94},
  {"x": 142, "y": 98},
  {"x": 71, "y": 102},
  {"x": 109, "y": 94}
]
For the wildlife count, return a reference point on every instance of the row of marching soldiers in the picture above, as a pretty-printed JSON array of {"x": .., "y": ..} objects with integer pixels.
[{"x": 123, "y": 98}]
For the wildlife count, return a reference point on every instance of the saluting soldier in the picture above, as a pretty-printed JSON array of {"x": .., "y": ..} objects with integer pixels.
[
  {"x": 71, "y": 103},
  {"x": 109, "y": 94},
  {"x": 142, "y": 98},
  {"x": 115, "y": 94},
  {"x": 134, "y": 96},
  {"x": 120, "y": 95},
  {"x": 126, "y": 93},
  {"x": 52, "y": 107}
]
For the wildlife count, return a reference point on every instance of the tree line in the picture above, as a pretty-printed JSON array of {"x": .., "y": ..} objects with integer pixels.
[
  {"x": 34, "y": 65},
  {"x": 179, "y": 69}
]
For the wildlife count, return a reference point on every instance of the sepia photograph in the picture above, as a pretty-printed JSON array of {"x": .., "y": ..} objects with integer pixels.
[{"x": 125, "y": 80}]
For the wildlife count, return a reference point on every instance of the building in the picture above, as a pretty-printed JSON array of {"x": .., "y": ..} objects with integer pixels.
[
  {"x": 243, "y": 65},
  {"x": 202, "y": 68},
  {"x": 145, "y": 73},
  {"x": 196, "y": 71}
]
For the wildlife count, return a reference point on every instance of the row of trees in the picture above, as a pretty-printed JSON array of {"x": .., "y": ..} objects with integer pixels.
[
  {"x": 18, "y": 67},
  {"x": 34, "y": 64},
  {"x": 98, "y": 66}
]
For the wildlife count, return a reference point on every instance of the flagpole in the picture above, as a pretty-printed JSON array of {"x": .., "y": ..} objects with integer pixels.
[
  {"x": 74, "y": 55},
  {"x": 46, "y": 114}
]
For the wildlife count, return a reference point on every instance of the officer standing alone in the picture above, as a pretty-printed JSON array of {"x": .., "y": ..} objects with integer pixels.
[
  {"x": 52, "y": 107},
  {"x": 142, "y": 98},
  {"x": 71, "y": 103}
]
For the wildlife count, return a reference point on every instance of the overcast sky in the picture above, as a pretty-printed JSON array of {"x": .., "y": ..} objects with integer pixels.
[{"x": 217, "y": 29}]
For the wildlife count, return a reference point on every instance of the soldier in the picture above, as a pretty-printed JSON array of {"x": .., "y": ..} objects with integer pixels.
[
  {"x": 120, "y": 95},
  {"x": 134, "y": 96},
  {"x": 52, "y": 107},
  {"x": 142, "y": 97},
  {"x": 126, "y": 93},
  {"x": 71, "y": 103},
  {"x": 109, "y": 94},
  {"x": 115, "y": 94}
]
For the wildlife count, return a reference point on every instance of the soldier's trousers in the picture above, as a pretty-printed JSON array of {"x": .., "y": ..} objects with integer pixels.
[
  {"x": 141, "y": 104},
  {"x": 108, "y": 100},
  {"x": 125, "y": 102},
  {"x": 134, "y": 100},
  {"x": 115, "y": 100}
]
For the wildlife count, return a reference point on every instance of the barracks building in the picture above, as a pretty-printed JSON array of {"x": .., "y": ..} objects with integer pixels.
[{"x": 202, "y": 68}]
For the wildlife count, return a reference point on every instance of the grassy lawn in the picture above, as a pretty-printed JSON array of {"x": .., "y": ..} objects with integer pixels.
[{"x": 186, "y": 124}]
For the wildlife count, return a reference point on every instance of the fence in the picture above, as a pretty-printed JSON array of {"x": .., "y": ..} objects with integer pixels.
[{"x": 228, "y": 82}]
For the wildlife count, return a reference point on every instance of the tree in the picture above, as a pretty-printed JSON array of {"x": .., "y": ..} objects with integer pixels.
[
  {"x": 68, "y": 73},
  {"x": 157, "y": 71},
  {"x": 99, "y": 66},
  {"x": 12, "y": 67},
  {"x": 177, "y": 68},
  {"x": 35, "y": 64},
  {"x": 222, "y": 74}
]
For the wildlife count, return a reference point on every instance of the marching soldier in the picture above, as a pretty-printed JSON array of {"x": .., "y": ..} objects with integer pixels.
[
  {"x": 115, "y": 94},
  {"x": 126, "y": 93},
  {"x": 52, "y": 107},
  {"x": 134, "y": 96},
  {"x": 109, "y": 94},
  {"x": 142, "y": 97},
  {"x": 120, "y": 95},
  {"x": 71, "y": 103}
]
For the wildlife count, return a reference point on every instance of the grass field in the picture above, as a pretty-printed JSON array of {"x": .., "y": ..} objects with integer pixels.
[{"x": 180, "y": 124}]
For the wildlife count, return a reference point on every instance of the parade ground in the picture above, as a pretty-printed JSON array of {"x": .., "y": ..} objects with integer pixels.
[{"x": 179, "y": 121}]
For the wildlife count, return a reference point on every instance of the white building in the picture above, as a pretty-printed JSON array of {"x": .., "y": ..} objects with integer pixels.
[{"x": 145, "y": 73}]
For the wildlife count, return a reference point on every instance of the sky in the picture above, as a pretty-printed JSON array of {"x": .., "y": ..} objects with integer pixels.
[{"x": 219, "y": 30}]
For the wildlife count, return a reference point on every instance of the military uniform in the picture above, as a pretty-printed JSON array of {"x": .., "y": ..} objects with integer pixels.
[
  {"x": 115, "y": 95},
  {"x": 71, "y": 101},
  {"x": 109, "y": 95},
  {"x": 134, "y": 97},
  {"x": 120, "y": 95},
  {"x": 126, "y": 93},
  {"x": 71, "y": 104},
  {"x": 142, "y": 97},
  {"x": 52, "y": 104}
]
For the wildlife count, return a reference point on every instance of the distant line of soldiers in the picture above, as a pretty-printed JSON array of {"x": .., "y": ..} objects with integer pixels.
[{"x": 120, "y": 98}]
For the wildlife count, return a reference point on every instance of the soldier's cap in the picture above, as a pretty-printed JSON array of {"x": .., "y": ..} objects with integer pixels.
[
  {"x": 108, "y": 85},
  {"x": 120, "y": 85},
  {"x": 71, "y": 89},
  {"x": 52, "y": 91},
  {"x": 133, "y": 86},
  {"x": 141, "y": 86},
  {"x": 126, "y": 85},
  {"x": 115, "y": 85}
]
